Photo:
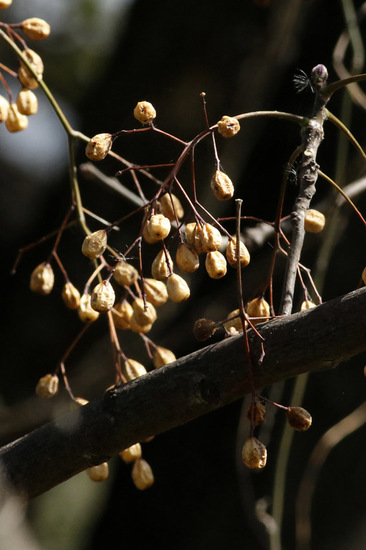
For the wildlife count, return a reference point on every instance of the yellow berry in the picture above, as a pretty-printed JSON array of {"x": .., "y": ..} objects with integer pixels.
[
  {"x": 178, "y": 289},
  {"x": 98, "y": 147},
  {"x": 98, "y": 473},
  {"x": 15, "y": 121},
  {"x": 131, "y": 453},
  {"x": 70, "y": 296},
  {"x": 162, "y": 266},
  {"x": 215, "y": 264},
  {"x": 125, "y": 274},
  {"x": 25, "y": 76},
  {"x": 122, "y": 313},
  {"x": 5, "y": 4},
  {"x": 222, "y": 186},
  {"x": 171, "y": 207},
  {"x": 86, "y": 313},
  {"x": 94, "y": 244},
  {"x": 314, "y": 221},
  {"x": 42, "y": 279},
  {"x": 187, "y": 258},
  {"x": 47, "y": 386},
  {"x": 36, "y": 28},
  {"x": 144, "y": 313},
  {"x": 27, "y": 102},
  {"x": 158, "y": 226},
  {"x": 254, "y": 453},
  {"x": 232, "y": 256},
  {"x": 228, "y": 126},
  {"x": 102, "y": 297},
  {"x": 307, "y": 304},
  {"x": 155, "y": 291},
  {"x": 258, "y": 308},
  {"x": 133, "y": 369},
  {"x": 4, "y": 108},
  {"x": 162, "y": 356},
  {"x": 144, "y": 112},
  {"x": 142, "y": 474}
]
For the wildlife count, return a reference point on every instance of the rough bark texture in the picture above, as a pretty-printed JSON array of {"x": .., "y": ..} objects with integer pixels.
[{"x": 194, "y": 385}]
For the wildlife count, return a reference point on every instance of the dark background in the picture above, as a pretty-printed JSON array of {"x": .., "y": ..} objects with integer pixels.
[{"x": 243, "y": 54}]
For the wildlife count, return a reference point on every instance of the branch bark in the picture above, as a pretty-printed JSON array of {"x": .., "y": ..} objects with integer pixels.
[{"x": 313, "y": 340}]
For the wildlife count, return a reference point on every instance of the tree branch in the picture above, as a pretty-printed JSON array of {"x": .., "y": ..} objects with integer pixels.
[{"x": 194, "y": 385}]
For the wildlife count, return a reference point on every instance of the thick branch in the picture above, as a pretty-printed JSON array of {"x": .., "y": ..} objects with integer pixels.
[{"x": 309, "y": 341}]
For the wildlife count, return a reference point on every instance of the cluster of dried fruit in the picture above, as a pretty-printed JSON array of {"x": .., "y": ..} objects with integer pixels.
[{"x": 15, "y": 113}]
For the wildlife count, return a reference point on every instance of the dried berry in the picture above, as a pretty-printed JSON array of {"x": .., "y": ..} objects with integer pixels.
[
  {"x": 144, "y": 313},
  {"x": 125, "y": 274},
  {"x": 99, "y": 146},
  {"x": 27, "y": 102},
  {"x": 307, "y": 304},
  {"x": 256, "y": 413},
  {"x": 215, "y": 264},
  {"x": 203, "y": 329},
  {"x": 47, "y": 386},
  {"x": 222, "y": 186},
  {"x": 232, "y": 256},
  {"x": 131, "y": 453},
  {"x": 94, "y": 244},
  {"x": 122, "y": 313},
  {"x": 98, "y": 473},
  {"x": 103, "y": 297},
  {"x": 144, "y": 112},
  {"x": 162, "y": 356},
  {"x": 155, "y": 291},
  {"x": 161, "y": 268},
  {"x": 171, "y": 207},
  {"x": 15, "y": 121},
  {"x": 258, "y": 308},
  {"x": 314, "y": 221},
  {"x": 228, "y": 126},
  {"x": 187, "y": 258},
  {"x": 42, "y": 279},
  {"x": 233, "y": 324},
  {"x": 141, "y": 329},
  {"x": 5, "y": 4},
  {"x": 86, "y": 313},
  {"x": 142, "y": 474},
  {"x": 254, "y": 453},
  {"x": 70, "y": 296},
  {"x": 4, "y": 108},
  {"x": 203, "y": 238},
  {"x": 133, "y": 369},
  {"x": 299, "y": 418},
  {"x": 25, "y": 76},
  {"x": 36, "y": 28},
  {"x": 158, "y": 226},
  {"x": 178, "y": 289}
]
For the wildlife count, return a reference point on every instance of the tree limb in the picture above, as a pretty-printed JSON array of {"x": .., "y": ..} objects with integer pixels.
[{"x": 316, "y": 339}]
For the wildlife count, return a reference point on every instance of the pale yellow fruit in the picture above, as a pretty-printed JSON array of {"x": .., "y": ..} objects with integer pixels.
[
  {"x": 36, "y": 28},
  {"x": 232, "y": 256},
  {"x": 125, "y": 274},
  {"x": 142, "y": 474},
  {"x": 4, "y": 108},
  {"x": 258, "y": 308},
  {"x": 144, "y": 112},
  {"x": 70, "y": 296},
  {"x": 162, "y": 356},
  {"x": 102, "y": 297},
  {"x": 155, "y": 291},
  {"x": 133, "y": 369},
  {"x": 131, "y": 453},
  {"x": 143, "y": 312},
  {"x": 314, "y": 221},
  {"x": 15, "y": 121},
  {"x": 122, "y": 313},
  {"x": 158, "y": 226},
  {"x": 222, "y": 186},
  {"x": 228, "y": 126},
  {"x": 94, "y": 244},
  {"x": 187, "y": 258},
  {"x": 178, "y": 289},
  {"x": 86, "y": 313},
  {"x": 27, "y": 102},
  {"x": 47, "y": 386},
  {"x": 171, "y": 207},
  {"x": 162, "y": 266},
  {"x": 99, "y": 146},
  {"x": 42, "y": 279},
  {"x": 215, "y": 263},
  {"x": 98, "y": 473},
  {"x": 254, "y": 453}
]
